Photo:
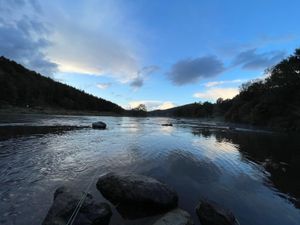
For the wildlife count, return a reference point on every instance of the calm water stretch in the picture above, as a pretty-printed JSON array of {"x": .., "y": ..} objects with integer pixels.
[{"x": 254, "y": 174}]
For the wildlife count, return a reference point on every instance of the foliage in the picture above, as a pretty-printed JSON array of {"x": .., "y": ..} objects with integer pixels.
[
  {"x": 24, "y": 88},
  {"x": 274, "y": 101},
  {"x": 271, "y": 102},
  {"x": 140, "y": 110}
]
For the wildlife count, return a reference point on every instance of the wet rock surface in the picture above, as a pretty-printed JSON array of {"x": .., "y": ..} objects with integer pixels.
[
  {"x": 99, "y": 125},
  {"x": 64, "y": 203},
  {"x": 167, "y": 124},
  {"x": 210, "y": 213},
  {"x": 137, "y": 196},
  {"x": 175, "y": 217}
]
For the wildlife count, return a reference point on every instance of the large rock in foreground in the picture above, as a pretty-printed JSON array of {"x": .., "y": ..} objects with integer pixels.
[
  {"x": 210, "y": 213},
  {"x": 99, "y": 125},
  {"x": 175, "y": 217},
  {"x": 135, "y": 195},
  {"x": 64, "y": 204}
]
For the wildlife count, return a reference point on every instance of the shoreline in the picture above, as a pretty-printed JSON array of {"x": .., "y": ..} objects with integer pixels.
[
  {"x": 63, "y": 112},
  {"x": 54, "y": 111}
]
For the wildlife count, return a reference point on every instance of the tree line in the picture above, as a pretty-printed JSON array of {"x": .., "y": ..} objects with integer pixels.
[
  {"x": 271, "y": 102},
  {"x": 24, "y": 88}
]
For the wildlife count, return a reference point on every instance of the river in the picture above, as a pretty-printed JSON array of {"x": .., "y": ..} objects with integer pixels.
[{"x": 254, "y": 174}]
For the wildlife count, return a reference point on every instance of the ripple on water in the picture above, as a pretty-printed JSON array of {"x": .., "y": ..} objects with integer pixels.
[{"x": 219, "y": 166}]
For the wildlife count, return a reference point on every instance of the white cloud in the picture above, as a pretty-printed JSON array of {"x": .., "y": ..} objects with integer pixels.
[
  {"x": 23, "y": 36},
  {"x": 217, "y": 83},
  {"x": 86, "y": 37},
  {"x": 95, "y": 43},
  {"x": 152, "y": 104},
  {"x": 212, "y": 94},
  {"x": 166, "y": 105},
  {"x": 103, "y": 85}
]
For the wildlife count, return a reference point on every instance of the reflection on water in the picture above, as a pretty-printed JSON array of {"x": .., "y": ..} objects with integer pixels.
[{"x": 254, "y": 174}]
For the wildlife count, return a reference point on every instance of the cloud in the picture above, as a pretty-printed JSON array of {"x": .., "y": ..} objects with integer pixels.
[
  {"x": 137, "y": 82},
  {"x": 142, "y": 74},
  {"x": 152, "y": 104},
  {"x": 101, "y": 42},
  {"x": 218, "y": 83},
  {"x": 23, "y": 39},
  {"x": 103, "y": 85},
  {"x": 188, "y": 71},
  {"x": 166, "y": 105},
  {"x": 252, "y": 60},
  {"x": 212, "y": 94}
]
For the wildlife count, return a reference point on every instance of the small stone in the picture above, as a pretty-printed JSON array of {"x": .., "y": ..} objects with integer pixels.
[
  {"x": 175, "y": 217},
  {"x": 210, "y": 213}
]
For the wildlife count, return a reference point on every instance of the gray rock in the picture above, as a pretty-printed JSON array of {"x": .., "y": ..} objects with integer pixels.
[
  {"x": 99, "y": 125},
  {"x": 64, "y": 204},
  {"x": 135, "y": 195},
  {"x": 210, "y": 213},
  {"x": 167, "y": 124},
  {"x": 175, "y": 217}
]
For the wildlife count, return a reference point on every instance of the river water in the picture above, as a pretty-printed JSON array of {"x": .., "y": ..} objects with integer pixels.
[{"x": 254, "y": 174}]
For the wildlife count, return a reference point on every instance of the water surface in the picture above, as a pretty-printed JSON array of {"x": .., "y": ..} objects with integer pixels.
[{"x": 254, "y": 174}]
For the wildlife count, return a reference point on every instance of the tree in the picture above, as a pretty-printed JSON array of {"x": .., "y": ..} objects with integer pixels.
[{"x": 141, "y": 107}]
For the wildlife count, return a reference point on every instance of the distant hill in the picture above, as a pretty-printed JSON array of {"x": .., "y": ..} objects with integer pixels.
[
  {"x": 271, "y": 102},
  {"x": 21, "y": 87},
  {"x": 188, "y": 110}
]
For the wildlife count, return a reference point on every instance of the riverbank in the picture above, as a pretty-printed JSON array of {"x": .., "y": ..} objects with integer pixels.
[{"x": 53, "y": 111}]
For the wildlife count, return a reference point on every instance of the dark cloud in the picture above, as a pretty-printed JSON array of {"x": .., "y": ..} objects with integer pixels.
[
  {"x": 191, "y": 70},
  {"x": 24, "y": 41},
  {"x": 137, "y": 82},
  {"x": 252, "y": 60},
  {"x": 142, "y": 73}
]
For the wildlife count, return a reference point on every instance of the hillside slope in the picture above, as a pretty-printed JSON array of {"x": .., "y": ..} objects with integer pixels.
[{"x": 21, "y": 87}]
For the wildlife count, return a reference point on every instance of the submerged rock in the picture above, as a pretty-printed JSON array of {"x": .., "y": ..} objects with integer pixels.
[
  {"x": 99, "y": 125},
  {"x": 135, "y": 195},
  {"x": 64, "y": 203},
  {"x": 175, "y": 217},
  {"x": 210, "y": 213},
  {"x": 167, "y": 124}
]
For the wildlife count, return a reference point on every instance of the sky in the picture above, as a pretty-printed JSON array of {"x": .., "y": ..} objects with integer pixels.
[{"x": 160, "y": 53}]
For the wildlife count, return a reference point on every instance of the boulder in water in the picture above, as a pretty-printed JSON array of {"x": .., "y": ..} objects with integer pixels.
[
  {"x": 210, "y": 213},
  {"x": 167, "y": 124},
  {"x": 99, "y": 125},
  {"x": 137, "y": 196},
  {"x": 64, "y": 204}
]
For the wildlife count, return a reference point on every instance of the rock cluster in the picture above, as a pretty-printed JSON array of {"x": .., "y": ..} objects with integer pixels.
[{"x": 134, "y": 196}]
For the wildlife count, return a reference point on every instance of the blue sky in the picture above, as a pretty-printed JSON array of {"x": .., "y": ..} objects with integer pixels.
[{"x": 160, "y": 53}]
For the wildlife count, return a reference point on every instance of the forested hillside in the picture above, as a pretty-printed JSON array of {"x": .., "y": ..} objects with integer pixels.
[
  {"x": 271, "y": 102},
  {"x": 24, "y": 88}
]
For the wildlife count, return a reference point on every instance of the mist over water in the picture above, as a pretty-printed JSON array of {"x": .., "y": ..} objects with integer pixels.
[{"x": 254, "y": 174}]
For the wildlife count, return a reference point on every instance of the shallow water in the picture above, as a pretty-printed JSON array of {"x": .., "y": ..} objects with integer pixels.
[{"x": 254, "y": 174}]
